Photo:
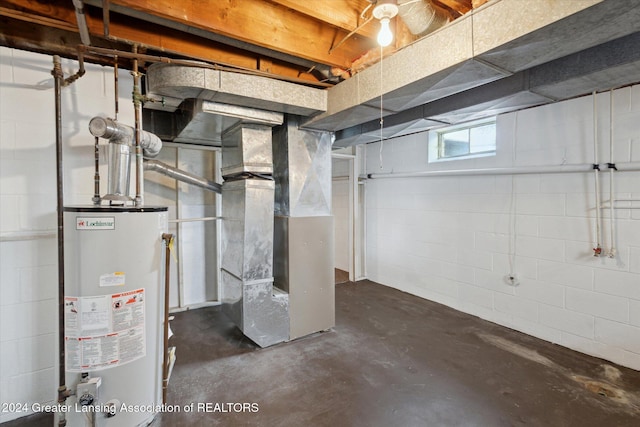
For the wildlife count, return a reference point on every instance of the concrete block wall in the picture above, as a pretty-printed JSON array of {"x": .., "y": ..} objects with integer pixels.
[
  {"x": 453, "y": 239},
  {"x": 28, "y": 247}
]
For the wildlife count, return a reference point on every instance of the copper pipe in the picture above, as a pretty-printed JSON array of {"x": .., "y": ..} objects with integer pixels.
[
  {"x": 167, "y": 238},
  {"x": 136, "y": 109}
]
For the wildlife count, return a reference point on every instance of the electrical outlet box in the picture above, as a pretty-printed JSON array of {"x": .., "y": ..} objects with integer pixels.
[
  {"x": 511, "y": 280},
  {"x": 87, "y": 391}
]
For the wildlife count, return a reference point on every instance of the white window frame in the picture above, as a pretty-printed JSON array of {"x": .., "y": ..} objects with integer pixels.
[{"x": 436, "y": 136}]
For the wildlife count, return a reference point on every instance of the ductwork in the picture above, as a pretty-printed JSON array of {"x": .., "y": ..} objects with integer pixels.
[
  {"x": 118, "y": 133},
  {"x": 420, "y": 17},
  {"x": 180, "y": 175},
  {"x": 612, "y": 64},
  {"x": 119, "y": 157}
]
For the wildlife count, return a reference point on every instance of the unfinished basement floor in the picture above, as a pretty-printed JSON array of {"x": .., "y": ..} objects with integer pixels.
[{"x": 393, "y": 359}]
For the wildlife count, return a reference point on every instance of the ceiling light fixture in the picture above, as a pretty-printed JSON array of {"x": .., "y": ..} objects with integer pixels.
[{"x": 384, "y": 11}]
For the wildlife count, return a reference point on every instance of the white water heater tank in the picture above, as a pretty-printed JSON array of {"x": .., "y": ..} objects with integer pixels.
[{"x": 114, "y": 314}]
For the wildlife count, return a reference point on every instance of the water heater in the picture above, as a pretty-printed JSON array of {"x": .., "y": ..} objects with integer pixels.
[{"x": 113, "y": 310}]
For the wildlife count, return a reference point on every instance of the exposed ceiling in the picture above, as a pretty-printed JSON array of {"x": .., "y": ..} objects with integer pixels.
[
  {"x": 492, "y": 58},
  {"x": 297, "y": 39}
]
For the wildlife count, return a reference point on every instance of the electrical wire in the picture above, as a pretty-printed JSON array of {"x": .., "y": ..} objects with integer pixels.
[{"x": 381, "y": 109}]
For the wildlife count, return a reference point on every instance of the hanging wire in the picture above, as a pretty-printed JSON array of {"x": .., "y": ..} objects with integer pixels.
[{"x": 381, "y": 110}]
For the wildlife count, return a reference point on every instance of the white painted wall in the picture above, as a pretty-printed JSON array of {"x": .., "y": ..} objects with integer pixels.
[
  {"x": 450, "y": 239},
  {"x": 28, "y": 248},
  {"x": 340, "y": 212}
]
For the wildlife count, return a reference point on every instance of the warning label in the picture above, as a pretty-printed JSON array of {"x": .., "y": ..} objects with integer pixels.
[{"x": 104, "y": 331}]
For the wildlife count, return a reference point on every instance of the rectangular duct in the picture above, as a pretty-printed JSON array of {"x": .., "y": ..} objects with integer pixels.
[
  {"x": 303, "y": 241},
  {"x": 302, "y": 170},
  {"x": 248, "y": 295}
]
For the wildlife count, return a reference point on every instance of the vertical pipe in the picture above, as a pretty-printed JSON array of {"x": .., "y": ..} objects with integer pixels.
[
  {"x": 596, "y": 169},
  {"x": 96, "y": 175},
  {"x": 136, "y": 109},
  {"x": 115, "y": 84},
  {"x": 105, "y": 17},
  {"x": 58, "y": 77},
  {"x": 612, "y": 167},
  {"x": 167, "y": 277}
]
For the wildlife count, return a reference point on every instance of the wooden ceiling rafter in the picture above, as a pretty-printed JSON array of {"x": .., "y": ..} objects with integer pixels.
[
  {"x": 54, "y": 34},
  {"x": 256, "y": 22},
  {"x": 289, "y": 38}
]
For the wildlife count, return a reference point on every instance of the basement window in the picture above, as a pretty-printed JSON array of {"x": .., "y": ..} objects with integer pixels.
[{"x": 468, "y": 140}]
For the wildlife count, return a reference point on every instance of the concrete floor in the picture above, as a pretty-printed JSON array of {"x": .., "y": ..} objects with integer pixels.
[{"x": 392, "y": 360}]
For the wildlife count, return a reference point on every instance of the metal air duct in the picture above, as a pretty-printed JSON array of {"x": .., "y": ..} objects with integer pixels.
[{"x": 420, "y": 17}]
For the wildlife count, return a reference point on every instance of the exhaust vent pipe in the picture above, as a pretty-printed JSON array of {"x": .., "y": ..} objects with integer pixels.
[
  {"x": 118, "y": 133},
  {"x": 420, "y": 17},
  {"x": 180, "y": 175},
  {"x": 121, "y": 150}
]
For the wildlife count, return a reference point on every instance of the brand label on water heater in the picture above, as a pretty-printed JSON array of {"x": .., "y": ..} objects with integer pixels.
[{"x": 95, "y": 223}]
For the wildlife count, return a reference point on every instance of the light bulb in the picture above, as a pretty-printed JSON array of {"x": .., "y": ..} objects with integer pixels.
[{"x": 385, "y": 36}]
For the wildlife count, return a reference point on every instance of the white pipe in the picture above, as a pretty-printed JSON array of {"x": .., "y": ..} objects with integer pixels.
[
  {"x": 522, "y": 170},
  {"x": 19, "y": 236},
  {"x": 596, "y": 170},
  {"x": 343, "y": 156},
  {"x": 612, "y": 248},
  {"x": 628, "y": 167},
  {"x": 208, "y": 218}
]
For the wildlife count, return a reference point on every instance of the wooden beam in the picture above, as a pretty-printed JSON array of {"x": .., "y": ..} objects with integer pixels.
[
  {"x": 54, "y": 31},
  {"x": 344, "y": 14},
  {"x": 259, "y": 23},
  {"x": 460, "y": 6}
]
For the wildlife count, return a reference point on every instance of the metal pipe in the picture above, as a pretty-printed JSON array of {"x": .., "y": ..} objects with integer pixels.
[
  {"x": 524, "y": 170},
  {"x": 612, "y": 246},
  {"x": 167, "y": 238},
  {"x": 628, "y": 167},
  {"x": 596, "y": 170},
  {"x": 105, "y": 17},
  {"x": 79, "y": 73},
  {"x": 83, "y": 29},
  {"x": 207, "y": 218},
  {"x": 20, "y": 236},
  {"x": 58, "y": 77},
  {"x": 136, "y": 97},
  {"x": 115, "y": 132},
  {"x": 180, "y": 175},
  {"x": 96, "y": 175},
  {"x": 115, "y": 85},
  {"x": 201, "y": 63}
]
